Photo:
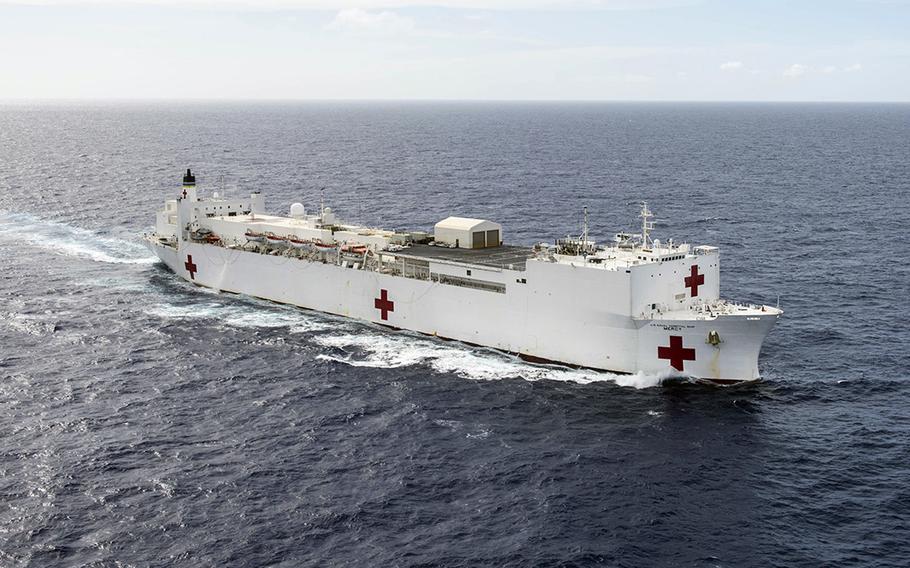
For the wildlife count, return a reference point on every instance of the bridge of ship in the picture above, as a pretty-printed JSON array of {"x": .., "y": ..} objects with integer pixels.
[{"x": 615, "y": 258}]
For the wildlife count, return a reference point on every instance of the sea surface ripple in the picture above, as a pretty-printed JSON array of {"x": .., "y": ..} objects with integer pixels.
[{"x": 148, "y": 422}]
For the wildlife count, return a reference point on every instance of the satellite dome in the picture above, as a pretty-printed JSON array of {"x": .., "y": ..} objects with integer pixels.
[{"x": 298, "y": 210}]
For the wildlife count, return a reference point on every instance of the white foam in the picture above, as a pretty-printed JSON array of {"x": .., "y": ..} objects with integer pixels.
[
  {"x": 126, "y": 284},
  {"x": 240, "y": 316},
  {"x": 641, "y": 380},
  {"x": 402, "y": 350},
  {"x": 380, "y": 351},
  {"x": 30, "y": 324},
  {"x": 71, "y": 241}
]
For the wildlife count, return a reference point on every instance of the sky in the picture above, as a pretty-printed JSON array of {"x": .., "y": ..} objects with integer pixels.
[{"x": 663, "y": 50}]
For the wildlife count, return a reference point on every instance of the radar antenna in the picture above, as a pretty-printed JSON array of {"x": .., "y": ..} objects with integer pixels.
[
  {"x": 577, "y": 246},
  {"x": 646, "y": 224}
]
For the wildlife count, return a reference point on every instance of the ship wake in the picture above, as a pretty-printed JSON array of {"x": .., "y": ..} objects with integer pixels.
[
  {"x": 388, "y": 350},
  {"x": 241, "y": 316},
  {"x": 67, "y": 240},
  {"x": 360, "y": 345}
]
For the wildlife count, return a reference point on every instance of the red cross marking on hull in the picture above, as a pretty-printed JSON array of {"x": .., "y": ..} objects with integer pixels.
[
  {"x": 190, "y": 267},
  {"x": 676, "y": 353},
  {"x": 383, "y": 304},
  {"x": 184, "y": 193},
  {"x": 694, "y": 280}
]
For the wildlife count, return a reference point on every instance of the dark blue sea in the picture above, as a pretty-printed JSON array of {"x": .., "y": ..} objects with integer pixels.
[{"x": 148, "y": 422}]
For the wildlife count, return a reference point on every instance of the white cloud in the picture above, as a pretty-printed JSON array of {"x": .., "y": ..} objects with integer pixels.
[
  {"x": 828, "y": 69},
  {"x": 795, "y": 70},
  {"x": 357, "y": 21},
  {"x": 731, "y": 66},
  {"x": 853, "y": 68}
]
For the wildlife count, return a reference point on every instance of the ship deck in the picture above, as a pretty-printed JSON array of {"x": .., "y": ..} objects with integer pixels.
[{"x": 506, "y": 257}]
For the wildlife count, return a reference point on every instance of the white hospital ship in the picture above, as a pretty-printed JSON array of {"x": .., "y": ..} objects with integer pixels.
[{"x": 633, "y": 305}]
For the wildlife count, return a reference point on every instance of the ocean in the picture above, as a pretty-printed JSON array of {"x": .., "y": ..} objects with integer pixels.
[{"x": 148, "y": 422}]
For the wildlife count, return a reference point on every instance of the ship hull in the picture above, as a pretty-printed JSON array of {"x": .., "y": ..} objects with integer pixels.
[{"x": 527, "y": 319}]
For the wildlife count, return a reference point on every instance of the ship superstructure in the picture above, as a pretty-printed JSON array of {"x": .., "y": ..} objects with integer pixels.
[{"x": 632, "y": 305}]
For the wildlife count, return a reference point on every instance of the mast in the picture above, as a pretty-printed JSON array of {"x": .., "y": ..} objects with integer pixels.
[
  {"x": 321, "y": 203},
  {"x": 584, "y": 231},
  {"x": 646, "y": 224}
]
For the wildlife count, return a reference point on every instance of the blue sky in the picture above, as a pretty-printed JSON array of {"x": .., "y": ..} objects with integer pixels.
[{"x": 841, "y": 50}]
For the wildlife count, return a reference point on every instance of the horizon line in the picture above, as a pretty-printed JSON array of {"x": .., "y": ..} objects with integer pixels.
[{"x": 46, "y": 100}]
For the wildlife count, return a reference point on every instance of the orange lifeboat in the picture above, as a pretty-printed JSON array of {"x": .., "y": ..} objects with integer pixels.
[{"x": 354, "y": 249}]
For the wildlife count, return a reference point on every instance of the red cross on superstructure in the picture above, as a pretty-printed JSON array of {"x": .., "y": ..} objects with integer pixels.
[
  {"x": 383, "y": 304},
  {"x": 694, "y": 280},
  {"x": 190, "y": 267},
  {"x": 676, "y": 353},
  {"x": 184, "y": 193}
]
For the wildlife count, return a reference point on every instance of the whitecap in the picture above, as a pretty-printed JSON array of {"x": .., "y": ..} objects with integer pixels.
[{"x": 30, "y": 324}]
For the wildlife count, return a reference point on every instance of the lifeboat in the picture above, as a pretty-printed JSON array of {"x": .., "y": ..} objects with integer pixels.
[
  {"x": 201, "y": 234},
  {"x": 274, "y": 239},
  {"x": 254, "y": 237},
  {"x": 298, "y": 243},
  {"x": 354, "y": 249},
  {"x": 325, "y": 246}
]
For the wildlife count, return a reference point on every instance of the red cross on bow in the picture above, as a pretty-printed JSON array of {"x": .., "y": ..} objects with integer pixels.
[
  {"x": 694, "y": 280},
  {"x": 676, "y": 353},
  {"x": 190, "y": 267},
  {"x": 383, "y": 304}
]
